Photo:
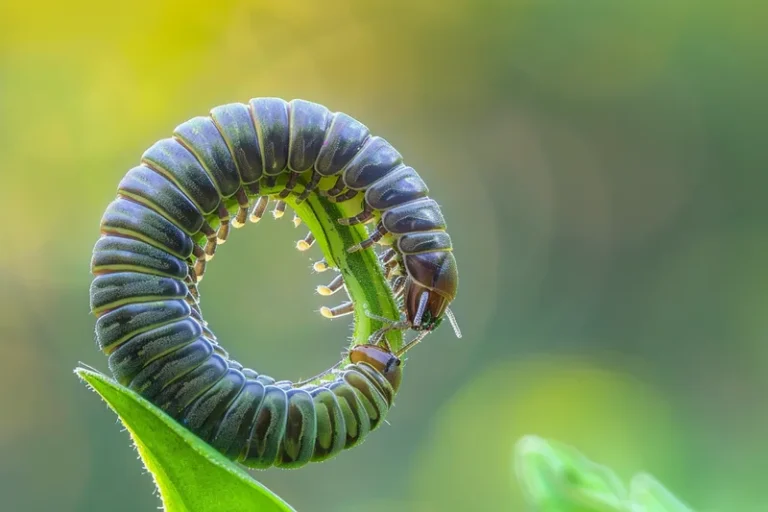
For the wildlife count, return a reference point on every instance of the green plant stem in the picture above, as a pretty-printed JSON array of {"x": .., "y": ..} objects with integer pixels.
[{"x": 363, "y": 276}]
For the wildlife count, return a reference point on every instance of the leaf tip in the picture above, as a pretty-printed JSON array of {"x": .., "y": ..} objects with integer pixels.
[{"x": 91, "y": 377}]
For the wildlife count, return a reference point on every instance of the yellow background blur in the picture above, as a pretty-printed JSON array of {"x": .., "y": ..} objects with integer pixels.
[{"x": 601, "y": 165}]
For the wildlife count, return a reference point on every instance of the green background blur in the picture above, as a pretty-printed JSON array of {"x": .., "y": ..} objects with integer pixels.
[{"x": 601, "y": 165}]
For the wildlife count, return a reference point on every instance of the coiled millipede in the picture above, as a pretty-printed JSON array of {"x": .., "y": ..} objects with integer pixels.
[{"x": 177, "y": 206}]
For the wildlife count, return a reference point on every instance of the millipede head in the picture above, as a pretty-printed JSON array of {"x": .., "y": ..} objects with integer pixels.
[
  {"x": 430, "y": 288},
  {"x": 383, "y": 361},
  {"x": 424, "y": 308}
]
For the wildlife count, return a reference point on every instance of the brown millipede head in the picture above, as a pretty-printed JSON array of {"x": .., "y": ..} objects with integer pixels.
[
  {"x": 424, "y": 308},
  {"x": 431, "y": 287},
  {"x": 385, "y": 362}
]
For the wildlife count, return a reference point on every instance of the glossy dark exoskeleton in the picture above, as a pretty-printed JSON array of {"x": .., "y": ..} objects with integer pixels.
[{"x": 176, "y": 206}]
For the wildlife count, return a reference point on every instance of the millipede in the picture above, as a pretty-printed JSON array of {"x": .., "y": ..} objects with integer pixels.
[{"x": 176, "y": 207}]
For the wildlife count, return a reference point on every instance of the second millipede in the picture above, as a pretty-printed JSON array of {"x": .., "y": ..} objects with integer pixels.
[{"x": 157, "y": 237}]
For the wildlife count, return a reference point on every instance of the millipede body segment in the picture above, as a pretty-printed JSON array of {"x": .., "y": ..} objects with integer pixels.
[{"x": 176, "y": 207}]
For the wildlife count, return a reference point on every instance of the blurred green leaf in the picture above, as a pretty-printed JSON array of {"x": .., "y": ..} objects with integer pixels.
[
  {"x": 558, "y": 478},
  {"x": 190, "y": 475},
  {"x": 648, "y": 495}
]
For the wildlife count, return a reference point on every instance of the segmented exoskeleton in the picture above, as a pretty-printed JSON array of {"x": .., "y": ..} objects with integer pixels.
[{"x": 176, "y": 207}]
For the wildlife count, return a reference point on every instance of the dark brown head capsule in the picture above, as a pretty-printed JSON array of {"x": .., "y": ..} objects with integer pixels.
[
  {"x": 383, "y": 361},
  {"x": 431, "y": 287}
]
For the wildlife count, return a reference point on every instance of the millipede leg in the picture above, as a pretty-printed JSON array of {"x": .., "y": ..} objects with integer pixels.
[
  {"x": 198, "y": 316},
  {"x": 390, "y": 267},
  {"x": 200, "y": 269},
  {"x": 322, "y": 374},
  {"x": 289, "y": 185},
  {"x": 346, "y": 196},
  {"x": 208, "y": 333},
  {"x": 415, "y": 341},
  {"x": 222, "y": 235},
  {"x": 335, "y": 189},
  {"x": 398, "y": 285},
  {"x": 218, "y": 349},
  {"x": 270, "y": 181},
  {"x": 320, "y": 265},
  {"x": 380, "y": 337},
  {"x": 253, "y": 188},
  {"x": 306, "y": 242},
  {"x": 377, "y": 235},
  {"x": 191, "y": 297},
  {"x": 312, "y": 185},
  {"x": 242, "y": 213},
  {"x": 341, "y": 310},
  {"x": 223, "y": 232},
  {"x": 191, "y": 274},
  {"x": 259, "y": 208},
  {"x": 198, "y": 252},
  {"x": 386, "y": 256},
  {"x": 377, "y": 337},
  {"x": 389, "y": 325},
  {"x": 296, "y": 220},
  {"x": 335, "y": 285},
  {"x": 279, "y": 209},
  {"x": 210, "y": 247},
  {"x": 363, "y": 216},
  {"x": 207, "y": 230}
]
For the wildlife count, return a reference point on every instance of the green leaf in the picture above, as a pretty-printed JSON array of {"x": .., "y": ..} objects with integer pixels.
[
  {"x": 190, "y": 475},
  {"x": 557, "y": 478},
  {"x": 648, "y": 495}
]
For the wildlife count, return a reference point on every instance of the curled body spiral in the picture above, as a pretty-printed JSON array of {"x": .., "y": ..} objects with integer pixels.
[{"x": 176, "y": 207}]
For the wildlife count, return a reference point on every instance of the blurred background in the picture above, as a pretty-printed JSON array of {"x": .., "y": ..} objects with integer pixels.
[{"x": 601, "y": 165}]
